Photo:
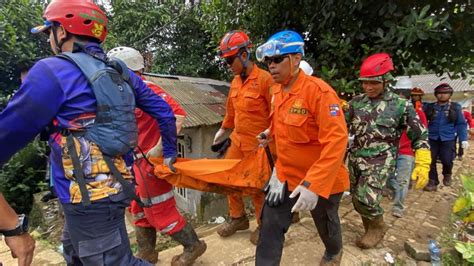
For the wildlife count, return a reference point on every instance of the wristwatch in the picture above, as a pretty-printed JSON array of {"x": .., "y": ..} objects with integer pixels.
[{"x": 21, "y": 227}]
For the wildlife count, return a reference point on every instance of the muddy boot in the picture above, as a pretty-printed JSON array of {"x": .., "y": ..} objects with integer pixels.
[
  {"x": 295, "y": 218},
  {"x": 146, "y": 241},
  {"x": 447, "y": 180},
  {"x": 365, "y": 222},
  {"x": 254, "y": 236},
  {"x": 236, "y": 224},
  {"x": 375, "y": 233},
  {"x": 193, "y": 247},
  {"x": 328, "y": 260}
]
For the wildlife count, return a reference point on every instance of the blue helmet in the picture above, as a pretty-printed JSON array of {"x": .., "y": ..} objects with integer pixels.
[{"x": 281, "y": 43}]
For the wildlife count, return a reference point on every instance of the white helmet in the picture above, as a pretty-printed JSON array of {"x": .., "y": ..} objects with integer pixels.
[
  {"x": 131, "y": 57},
  {"x": 403, "y": 83},
  {"x": 307, "y": 69}
]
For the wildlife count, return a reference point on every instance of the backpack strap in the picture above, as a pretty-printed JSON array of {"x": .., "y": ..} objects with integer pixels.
[
  {"x": 453, "y": 112},
  {"x": 87, "y": 64},
  {"x": 126, "y": 186},
  {"x": 430, "y": 113},
  {"x": 77, "y": 169}
]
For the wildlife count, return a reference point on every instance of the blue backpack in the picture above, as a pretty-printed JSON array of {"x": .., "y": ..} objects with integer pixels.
[{"x": 115, "y": 129}]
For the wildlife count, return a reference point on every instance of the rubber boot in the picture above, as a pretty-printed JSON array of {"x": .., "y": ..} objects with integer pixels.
[
  {"x": 255, "y": 235},
  {"x": 193, "y": 247},
  {"x": 146, "y": 240},
  {"x": 236, "y": 224},
  {"x": 375, "y": 233},
  {"x": 365, "y": 222},
  {"x": 328, "y": 260}
]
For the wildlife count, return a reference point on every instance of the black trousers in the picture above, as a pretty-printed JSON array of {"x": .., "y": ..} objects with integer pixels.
[
  {"x": 460, "y": 151},
  {"x": 445, "y": 151},
  {"x": 275, "y": 222}
]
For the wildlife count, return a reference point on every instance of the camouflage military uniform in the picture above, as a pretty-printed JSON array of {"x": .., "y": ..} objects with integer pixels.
[{"x": 377, "y": 126}]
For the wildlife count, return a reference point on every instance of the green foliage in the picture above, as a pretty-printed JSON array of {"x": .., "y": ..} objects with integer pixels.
[
  {"x": 422, "y": 36},
  {"x": 169, "y": 35},
  {"x": 18, "y": 47},
  {"x": 23, "y": 176},
  {"x": 463, "y": 206},
  {"x": 466, "y": 249},
  {"x": 463, "y": 214}
]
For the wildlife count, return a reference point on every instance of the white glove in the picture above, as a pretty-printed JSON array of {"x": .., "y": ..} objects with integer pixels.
[
  {"x": 169, "y": 162},
  {"x": 263, "y": 138},
  {"x": 274, "y": 190},
  {"x": 219, "y": 134},
  {"x": 465, "y": 144},
  {"x": 156, "y": 151},
  {"x": 307, "y": 200}
]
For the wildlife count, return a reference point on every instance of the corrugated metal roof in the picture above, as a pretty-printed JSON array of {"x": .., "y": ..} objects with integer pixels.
[
  {"x": 429, "y": 81},
  {"x": 201, "y": 115},
  {"x": 203, "y": 104}
]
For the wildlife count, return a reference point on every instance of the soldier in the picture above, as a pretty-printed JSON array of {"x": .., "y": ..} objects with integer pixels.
[{"x": 377, "y": 119}]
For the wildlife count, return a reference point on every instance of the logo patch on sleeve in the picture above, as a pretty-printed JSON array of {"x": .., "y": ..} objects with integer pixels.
[{"x": 334, "y": 110}]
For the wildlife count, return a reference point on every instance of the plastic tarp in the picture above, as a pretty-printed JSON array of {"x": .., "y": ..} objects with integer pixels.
[{"x": 225, "y": 176}]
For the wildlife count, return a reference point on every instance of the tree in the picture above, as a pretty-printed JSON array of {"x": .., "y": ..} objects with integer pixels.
[
  {"x": 168, "y": 34},
  {"x": 434, "y": 36},
  {"x": 19, "y": 48}
]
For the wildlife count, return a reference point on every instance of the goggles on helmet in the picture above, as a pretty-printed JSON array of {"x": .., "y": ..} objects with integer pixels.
[{"x": 275, "y": 47}]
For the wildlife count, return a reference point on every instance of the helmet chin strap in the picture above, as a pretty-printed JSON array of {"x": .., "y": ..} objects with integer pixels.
[
  {"x": 293, "y": 72},
  {"x": 245, "y": 63},
  {"x": 58, "y": 44}
]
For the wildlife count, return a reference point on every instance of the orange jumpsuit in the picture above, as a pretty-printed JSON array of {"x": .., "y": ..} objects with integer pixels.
[
  {"x": 311, "y": 136},
  {"x": 248, "y": 110}
]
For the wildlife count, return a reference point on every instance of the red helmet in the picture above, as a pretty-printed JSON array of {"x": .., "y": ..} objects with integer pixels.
[
  {"x": 232, "y": 42},
  {"x": 417, "y": 91},
  {"x": 375, "y": 66},
  {"x": 80, "y": 17}
]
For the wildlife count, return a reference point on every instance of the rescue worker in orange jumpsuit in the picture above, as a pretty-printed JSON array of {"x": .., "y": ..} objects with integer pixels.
[
  {"x": 310, "y": 135},
  {"x": 162, "y": 214},
  {"x": 248, "y": 108}
]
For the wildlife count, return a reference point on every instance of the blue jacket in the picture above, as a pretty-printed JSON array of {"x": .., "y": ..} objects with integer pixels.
[
  {"x": 56, "y": 89},
  {"x": 440, "y": 128}
]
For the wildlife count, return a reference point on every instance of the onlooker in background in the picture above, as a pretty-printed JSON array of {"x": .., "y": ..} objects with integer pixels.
[
  {"x": 445, "y": 120},
  {"x": 406, "y": 157},
  {"x": 417, "y": 98},
  {"x": 467, "y": 116}
]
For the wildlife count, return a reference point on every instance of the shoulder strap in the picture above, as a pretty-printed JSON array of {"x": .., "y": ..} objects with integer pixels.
[
  {"x": 429, "y": 111},
  {"x": 453, "y": 112},
  {"x": 88, "y": 64}
]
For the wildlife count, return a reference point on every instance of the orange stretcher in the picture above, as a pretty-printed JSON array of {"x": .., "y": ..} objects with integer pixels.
[{"x": 225, "y": 176}]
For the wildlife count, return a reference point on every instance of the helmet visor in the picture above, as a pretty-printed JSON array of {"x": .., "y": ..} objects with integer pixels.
[{"x": 42, "y": 28}]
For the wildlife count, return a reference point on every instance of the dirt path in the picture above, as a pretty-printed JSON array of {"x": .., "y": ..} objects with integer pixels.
[{"x": 426, "y": 214}]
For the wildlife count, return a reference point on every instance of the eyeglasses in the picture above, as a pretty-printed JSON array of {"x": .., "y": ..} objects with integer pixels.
[
  {"x": 275, "y": 59},
  {"x": 229, "y": 60}
]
